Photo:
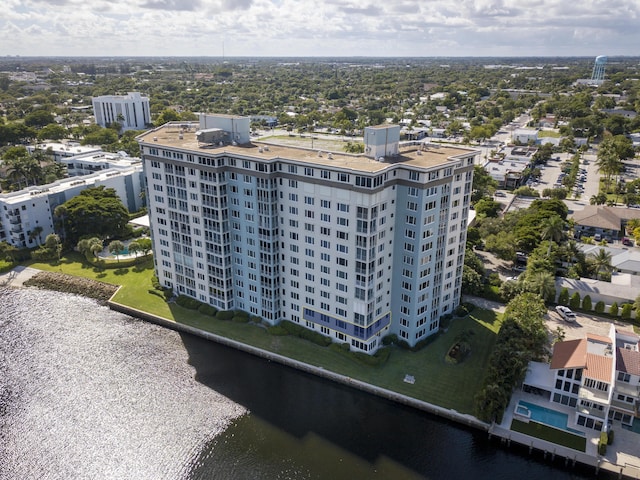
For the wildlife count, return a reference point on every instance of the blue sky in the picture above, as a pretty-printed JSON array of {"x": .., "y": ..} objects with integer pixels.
[{"x": 320, "y": 28}]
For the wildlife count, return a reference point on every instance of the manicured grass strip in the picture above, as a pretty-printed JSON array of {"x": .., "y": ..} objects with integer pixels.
[
  {"x": 436, "y": 382},
  {"x": 550, "y": 434}
]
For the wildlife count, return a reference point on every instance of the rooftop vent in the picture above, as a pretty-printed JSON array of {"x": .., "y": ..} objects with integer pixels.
[
  {"x": 155, "y": 139},
  {"x": 330, "y": 156},
  {"x": 320, "y": 153}
]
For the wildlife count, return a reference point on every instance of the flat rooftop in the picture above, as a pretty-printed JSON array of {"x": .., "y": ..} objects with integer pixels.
[{"x": 434, "y": 155}]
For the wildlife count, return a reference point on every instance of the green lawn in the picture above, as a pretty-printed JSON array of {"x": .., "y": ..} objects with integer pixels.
[
  {"x": 437, "y": 382},
  {"x": 550, "y": 434}
]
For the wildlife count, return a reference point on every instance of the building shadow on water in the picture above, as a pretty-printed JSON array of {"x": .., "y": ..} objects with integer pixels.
[{"x": 343, "y": 422}]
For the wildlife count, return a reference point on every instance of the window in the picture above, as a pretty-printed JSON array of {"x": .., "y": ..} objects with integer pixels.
[{"x": 624, "y": 377}]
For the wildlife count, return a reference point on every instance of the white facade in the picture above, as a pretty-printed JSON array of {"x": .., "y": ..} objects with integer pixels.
[
  {"x": 21, "y": 212},
  {"x": 599, "y": 376},
  {"x": 131, "y": 111},
  {"x": 61, "y": 151},
  {"x": 346, "y": 245}
]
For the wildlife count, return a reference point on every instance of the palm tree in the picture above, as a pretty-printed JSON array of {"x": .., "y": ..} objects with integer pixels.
[
  {"x": 608, "y": 160},
  {"x": 60, "y": 212},
  {"x": 543, "y": 284},
  {"x": 601, "y": 262},
  {"x": 116, "y": 248},
  {"x": 552, "y": 230},
  {"x": 36, "y": 233},
  {"x": 134, "y": 247}
]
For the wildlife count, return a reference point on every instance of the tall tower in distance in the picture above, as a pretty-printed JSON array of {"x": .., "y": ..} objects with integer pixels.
[{"x": 597, "y": 76}]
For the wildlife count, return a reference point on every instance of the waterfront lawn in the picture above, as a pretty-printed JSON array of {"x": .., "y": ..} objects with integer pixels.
[
  {"x": 550, "y": 434},
  {"x": 447, "y": 385}
]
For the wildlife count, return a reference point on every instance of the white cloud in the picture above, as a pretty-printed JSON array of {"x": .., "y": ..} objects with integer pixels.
[{"x": 328, "y": 28}]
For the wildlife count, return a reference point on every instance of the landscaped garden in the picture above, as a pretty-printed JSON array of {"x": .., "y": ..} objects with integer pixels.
[{"x": 445, "y": 384}]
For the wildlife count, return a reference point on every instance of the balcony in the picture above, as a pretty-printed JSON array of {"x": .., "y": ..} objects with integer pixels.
[{"x": 598, "y": 396}]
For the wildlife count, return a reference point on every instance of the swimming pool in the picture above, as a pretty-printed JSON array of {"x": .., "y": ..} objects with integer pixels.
[{"x": 546, "y": 416}]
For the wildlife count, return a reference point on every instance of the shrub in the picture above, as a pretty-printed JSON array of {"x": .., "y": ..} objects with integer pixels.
[
  {"x": 339, "y": 347},
  {"x": 586, "y": 303},
  {"x": 207, "y": 310},
  {"x": 613, "y": 309},
  {"x": 389, "y": 339},
  {"x": 240, "y": 319},
  {"x": 563, "y": 297},
  {"x": 602, "y": 444},
  {"x": 188, "y": 302},
  {"x": 153, "y": 291},
  {"x": 610, "y": 437},
  {"x": 306, "y": 334},
  {"x": 574, "y": 302},
  {"x": 225, "y": 315},
  {"x": 461, "y": 311},
  {"x": 599, "y": 308},
  {"x": 241, "y": 313},
  {"x": 626, "y": 310},
  {"x": 424, "y": 342},
  {"x": 155, "y": 283}
]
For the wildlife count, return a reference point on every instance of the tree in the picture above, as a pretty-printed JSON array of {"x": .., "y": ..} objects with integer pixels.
[
  {"x": 36, "y": 233},
  {"x": 574, "y": 302},
  {"x": 8, "y": 252},
  {"x": 134, "y": 247},
  {"x": 116, "y": 247},
  {"x": 552, "y": 230},
  {"x": 53, "y": 131},
  {"x": 563, "y": 297},
  {"x": 608, "y": 161},
  {"x": 90, "y": 247},
  {"x": 586, "y": 303},
  {"x": 601, "y": 262},
  {"x": 38, "y": 118},
  {"x": 97, "y": 211},
  {"x": 145, "y": 245},
  {"x": 483, "y": 184},
  {"x": 543, "y": 284},
  {"x": 487, "y": 207},
  {"x": 53, "y": 244}
]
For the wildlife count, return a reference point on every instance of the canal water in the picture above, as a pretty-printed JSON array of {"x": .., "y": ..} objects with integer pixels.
[{"x": 87, "y": 393}]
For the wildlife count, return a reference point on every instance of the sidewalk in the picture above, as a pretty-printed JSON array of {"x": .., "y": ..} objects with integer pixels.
[{"x": 17, "y": 276}]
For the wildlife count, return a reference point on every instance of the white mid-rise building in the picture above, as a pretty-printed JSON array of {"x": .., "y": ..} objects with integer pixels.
[
  {"x": 131, "y": 111},
  {"x": 352, "y": 246},
  {"x": 22, "y": 211}
]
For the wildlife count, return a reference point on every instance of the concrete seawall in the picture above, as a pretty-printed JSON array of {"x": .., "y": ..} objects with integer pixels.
[{"x": 453, "y": 415}]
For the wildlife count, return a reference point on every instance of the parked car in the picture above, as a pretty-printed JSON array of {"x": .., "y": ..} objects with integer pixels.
[
  {"x": 500, "y": 194},
  {"x": 627, "y": 241},
  {"x": 566, "y": 313}
]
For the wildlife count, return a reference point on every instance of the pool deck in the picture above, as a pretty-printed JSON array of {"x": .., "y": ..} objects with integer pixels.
[{"x": 622, "y": 457}]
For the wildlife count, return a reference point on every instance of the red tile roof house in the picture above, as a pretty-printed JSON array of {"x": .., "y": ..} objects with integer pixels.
[{"x": 599, "y": 376}]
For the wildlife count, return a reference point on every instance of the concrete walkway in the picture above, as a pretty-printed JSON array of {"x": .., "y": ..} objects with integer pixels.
[{"x": 17, "y": 276}]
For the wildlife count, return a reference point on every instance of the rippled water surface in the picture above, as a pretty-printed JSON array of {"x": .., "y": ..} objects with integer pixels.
[
  {"x": 87, "y": 393},
  {"x": 90, "y": 393}
]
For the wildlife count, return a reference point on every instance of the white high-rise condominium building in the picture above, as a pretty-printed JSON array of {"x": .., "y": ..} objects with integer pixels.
[
  {"x": 131, "y": 111},
  {"x": 352, "y": 246}
]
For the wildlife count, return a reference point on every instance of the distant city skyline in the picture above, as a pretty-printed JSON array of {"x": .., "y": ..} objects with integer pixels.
[{"x": 329, "y": 28}]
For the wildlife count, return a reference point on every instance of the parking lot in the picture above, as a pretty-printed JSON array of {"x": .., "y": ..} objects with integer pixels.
[{"x": 584, "y": 324}]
